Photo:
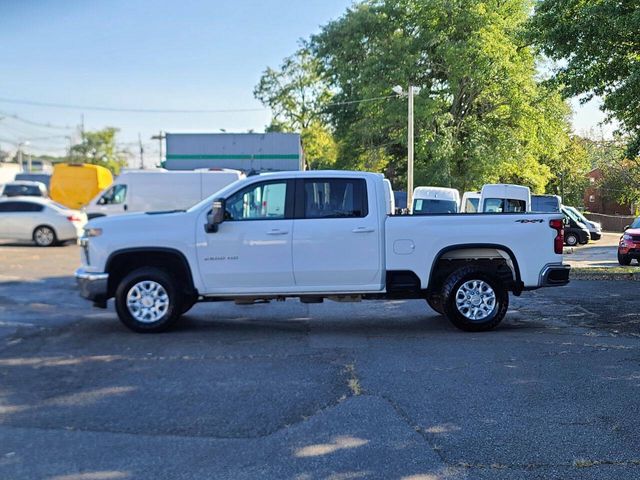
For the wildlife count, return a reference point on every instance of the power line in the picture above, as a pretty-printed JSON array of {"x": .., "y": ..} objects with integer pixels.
[
  {"x": 126, "y": 110},
  {"x": 36, "y": 124},
  {"x": 160, "y": 110}
]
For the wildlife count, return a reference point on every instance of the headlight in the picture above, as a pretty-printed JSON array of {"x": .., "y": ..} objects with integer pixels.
[
  {"x": 626, "y": 236},
  {"x": 92, "y": 232}
]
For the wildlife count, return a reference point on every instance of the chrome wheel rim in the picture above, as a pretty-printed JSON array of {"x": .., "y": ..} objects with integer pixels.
[
  {"x": 147, "y": 301},
  {"x": 44, "y": 236},
  {"x": 475, "y": 300}
]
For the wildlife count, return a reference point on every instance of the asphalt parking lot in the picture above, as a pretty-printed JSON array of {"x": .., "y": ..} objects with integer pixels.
[{"x": 287, "y": 390}]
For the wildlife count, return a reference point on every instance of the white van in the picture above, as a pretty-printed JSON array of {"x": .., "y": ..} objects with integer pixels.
[
  {"x": 159, "y": 189},
  {"x": 504, "y": 198},
  {"x": 435, "y": 200},
  {"x": 470, "y": 202},
  {"x": 389, "y": 198}
]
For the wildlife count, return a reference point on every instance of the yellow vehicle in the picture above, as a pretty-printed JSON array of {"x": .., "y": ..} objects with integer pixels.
[{"x": 74, "y": 185}]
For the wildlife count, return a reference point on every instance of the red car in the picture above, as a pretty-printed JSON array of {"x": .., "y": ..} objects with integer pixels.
[{"x": 629, "y": 247}]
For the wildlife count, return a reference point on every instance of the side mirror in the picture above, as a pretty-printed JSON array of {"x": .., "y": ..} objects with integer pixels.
[
  {"x": 216, "y": 217},
  {"x": 626, "y": 227}
]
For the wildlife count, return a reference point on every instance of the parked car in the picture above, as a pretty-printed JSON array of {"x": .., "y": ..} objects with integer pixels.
[
  {"x": 546, "y": 203},
  {"x": 74, "y": 185},
  {"x": 504, "y": 198},
  {"x": 629, "y": 246},
  {"x": 159, "y": 189},
  {"x": 470, "y": 202},
  {"x": 575, "y": 232},
  {"x": 39, "y": 220},
  {"x": 595, "y": 228},
  {"x": 25, "y": 188},
  {"x": 315, "y": 235},
  {"x": 428, "y": 200}
]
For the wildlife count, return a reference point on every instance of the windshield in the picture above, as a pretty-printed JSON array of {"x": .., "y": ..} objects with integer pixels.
[
  {"x": 545, "y": 204},
  {"x": 636, "y": 223},
  {"x": 471, "y": 205},
  {"x": 221, "y": 193},
  {"x": 424, "y": 206},
  {"x": 572, "y": 216},
  {"x": 578, "y": 214}
]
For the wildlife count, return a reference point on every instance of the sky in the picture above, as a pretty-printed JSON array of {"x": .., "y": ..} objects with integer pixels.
[{"x": 151, "y": 55}]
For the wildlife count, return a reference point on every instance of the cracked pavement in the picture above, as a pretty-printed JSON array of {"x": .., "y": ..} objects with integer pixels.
[{"x": 383, "y": 390}]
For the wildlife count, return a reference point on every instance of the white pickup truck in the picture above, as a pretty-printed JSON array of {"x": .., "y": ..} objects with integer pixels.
[{"x": 316, "y": 235}]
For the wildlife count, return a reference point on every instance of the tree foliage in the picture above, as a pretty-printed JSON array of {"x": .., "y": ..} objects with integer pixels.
[
  {"x": 481, "y": 115},
  {"x": 297, "y": 95},
  {"x": 598, "y": 45},
  {"x": 99, "y": 148}
]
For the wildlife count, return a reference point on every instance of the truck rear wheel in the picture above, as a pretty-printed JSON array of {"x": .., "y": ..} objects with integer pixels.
[
  {"x": 474, "y": 300},
  {"x": 148, "y": 301}
]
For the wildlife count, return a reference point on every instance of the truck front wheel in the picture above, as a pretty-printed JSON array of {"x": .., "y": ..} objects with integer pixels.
[
  {"x": 148, "y": 301},
  {"x": 474, "y": 300}
]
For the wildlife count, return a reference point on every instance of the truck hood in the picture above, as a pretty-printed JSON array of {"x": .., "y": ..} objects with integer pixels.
[{"x": 139, "y": 220}]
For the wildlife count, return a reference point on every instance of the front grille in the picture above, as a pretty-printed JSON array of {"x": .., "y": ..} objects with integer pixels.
[{"x": 635, "y": 238}]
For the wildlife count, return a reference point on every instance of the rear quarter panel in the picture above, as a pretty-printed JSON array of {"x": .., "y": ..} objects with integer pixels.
[{"x": 414, "y": 242}]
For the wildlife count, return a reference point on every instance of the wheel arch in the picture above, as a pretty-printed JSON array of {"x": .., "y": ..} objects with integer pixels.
[
  {"x": 48, "y": 225},
  {"x": 123, "y": 261},
  {"x": 476, "y": 251}
]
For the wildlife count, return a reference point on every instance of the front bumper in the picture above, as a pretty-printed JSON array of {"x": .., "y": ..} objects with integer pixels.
[
  {"x": 93, "y": 286},
  {"x": 554, "y": 275},
  {"x": 595, "y": 235}
]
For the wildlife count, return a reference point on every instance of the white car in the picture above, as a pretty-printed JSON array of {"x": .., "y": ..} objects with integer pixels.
[
  {"x": 40, "y": 220},
  {"x": 316, "y": 235}
]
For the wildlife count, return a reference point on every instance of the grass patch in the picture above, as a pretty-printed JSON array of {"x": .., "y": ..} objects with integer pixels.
[
  {"x": 353, "y": 382},
  {"x": 606, "y": 273}
]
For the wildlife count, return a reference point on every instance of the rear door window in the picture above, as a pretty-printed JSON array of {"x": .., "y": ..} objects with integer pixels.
[
  {"x": 19, "y": 207},
  {"x": 335, "y": 198}
]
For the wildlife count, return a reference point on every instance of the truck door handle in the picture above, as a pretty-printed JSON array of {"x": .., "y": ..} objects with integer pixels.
[
  {"x": 363, "y": 230},
  {"x": 277, "y": 231},
  {"x": 125, "y": 207}
]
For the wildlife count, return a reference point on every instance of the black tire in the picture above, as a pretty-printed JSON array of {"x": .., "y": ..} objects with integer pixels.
[
  {"x": 624, "y": 259},
  {"x": 571, "y": 239},
  {"x": 435, "y": 302},
  {"x": 140, "y": 278},
  {"x": 451, "y": 288},
  {"x": 44, "y": 236}
]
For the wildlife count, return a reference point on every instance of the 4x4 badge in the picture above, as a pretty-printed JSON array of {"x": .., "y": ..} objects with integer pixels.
[{"x": 526, "y": 220}]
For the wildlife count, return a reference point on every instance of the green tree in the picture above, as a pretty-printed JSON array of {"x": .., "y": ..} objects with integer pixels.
[
  {"x": 597, "y": 44},
  {"x": 569, "y": 171},
  {"x": 99, "y": 148},
  {"x": 297, "y": 95},
  {"x": 482, "y": 116}
]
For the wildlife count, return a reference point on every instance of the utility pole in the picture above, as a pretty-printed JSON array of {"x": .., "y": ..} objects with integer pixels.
[
  {"x": 141, "y": 151},
  {"x": 410, "y": 152},
  {"x": 409, "y": 94},
  {"x": 160, "y": 137}
]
